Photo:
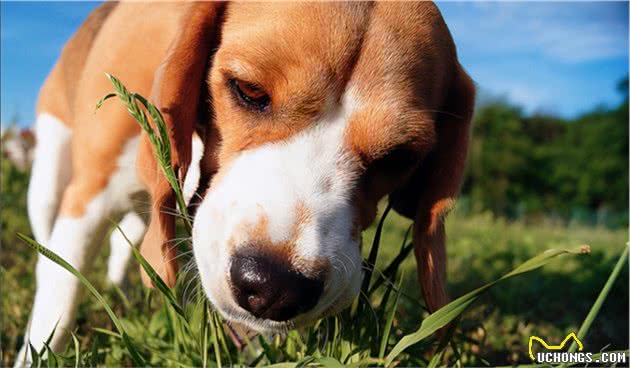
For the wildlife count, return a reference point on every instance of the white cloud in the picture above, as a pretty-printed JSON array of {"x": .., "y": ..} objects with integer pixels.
[
  {"x": 562, "y": 31},
  {"x": 560, "y": 57}
]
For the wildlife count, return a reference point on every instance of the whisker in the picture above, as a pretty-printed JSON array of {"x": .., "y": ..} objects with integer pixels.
[
  {"x": 345, "y": 269},
  {"x": 196, "y": 194},
  {"x": 176, "y": 214},
  {"x": 349, "y": 260},
  {"x": 180, "y": 239},
  {"x": 182, "y": 254},
  {"x": 193, "y": 281}
]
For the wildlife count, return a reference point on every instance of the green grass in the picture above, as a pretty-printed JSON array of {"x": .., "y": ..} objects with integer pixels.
[
  {"x": 548, "y": 302},
  {"x": 178, "y": 328}
]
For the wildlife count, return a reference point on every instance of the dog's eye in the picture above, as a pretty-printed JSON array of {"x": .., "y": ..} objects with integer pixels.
[
  {"x": 249, "y": 95},
  {"x": 397, "y": 159}
]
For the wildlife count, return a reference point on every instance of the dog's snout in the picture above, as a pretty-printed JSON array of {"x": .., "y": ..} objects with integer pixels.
[{"x": 271, "y": 289}]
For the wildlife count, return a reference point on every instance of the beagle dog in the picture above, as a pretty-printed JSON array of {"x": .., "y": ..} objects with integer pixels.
[{"x": 305, "y": 116}]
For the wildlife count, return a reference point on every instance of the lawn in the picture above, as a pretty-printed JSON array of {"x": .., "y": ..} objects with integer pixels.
[{"x": 549, "y": 302}]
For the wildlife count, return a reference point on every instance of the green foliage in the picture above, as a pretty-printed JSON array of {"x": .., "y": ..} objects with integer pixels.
[
  {"x": 592, "y": 314},
  {"x": 530, "y": 166},
  {"x": 550, "y": 302},
  {"x": 196, "y": 338},
  {"x": 454, "y": 309},
  {"x": 192, "y": 347},
  {"x": 13, "y": 183},
  {"x": 16, "y": 267}
]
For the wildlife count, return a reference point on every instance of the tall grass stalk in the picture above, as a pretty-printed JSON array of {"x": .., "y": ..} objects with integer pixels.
[
  {"x": 603, "y": 294},
  {"x": 158, "y": 136},
  {"x": 133, "y": 352},
  {"x": 454, "y": 309}
]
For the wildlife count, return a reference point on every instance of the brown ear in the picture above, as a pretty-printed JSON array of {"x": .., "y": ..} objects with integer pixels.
[
  {"x": 177, "y": 91},
  {"x": 431, "y": 191}
]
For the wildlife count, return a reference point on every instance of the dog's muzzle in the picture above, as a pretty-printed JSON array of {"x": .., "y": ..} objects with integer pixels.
[{"x": 269, "y": 288}]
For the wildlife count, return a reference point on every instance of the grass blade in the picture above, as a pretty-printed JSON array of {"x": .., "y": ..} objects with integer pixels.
[
  {"x": 445, "y": 341},
  {"x": 390, "y": 320},
  {"x": 592, "y": 314},
  {"x": 371, "y": 261},
  {"x": 77, "y": 350},
  {"x": 34, "y": 355},
  {"x": 269, "y": 352},
  {"x": 52, "y": 360},
  {"x": 159, "y": 140},
  {"x": 155, "y": 278},
  {"x": 328, "y": 362},
  {"x": 49, "y": 339},
  {"x": 106, "y": 332},
  {"x": 94, "y": 353},
  {"x": 102, "y": 100},
  {"x": 166, "y": 162},
  {"x": 449, "y": 312},
  {"x": 215, "y": 339},
  {"x": 436, "y": 359},
  {"x": 135, "y": 356},
  {"x": 204, "y": 332},
  {"x": 391, "y": 269},
  {"x": 283, "y": 365}
]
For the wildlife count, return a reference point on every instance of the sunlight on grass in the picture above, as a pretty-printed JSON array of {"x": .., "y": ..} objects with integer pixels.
[{"x": 385, "y": 326}]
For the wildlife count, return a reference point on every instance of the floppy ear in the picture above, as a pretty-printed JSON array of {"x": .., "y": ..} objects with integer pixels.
[
  {"x": 177, "y": 92},
  {"x": 431, "y": 191}
]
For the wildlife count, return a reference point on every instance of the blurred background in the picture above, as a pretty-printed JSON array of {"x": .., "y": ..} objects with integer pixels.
[
  {"x": 548, "y": 163},
  {"x": 550, "y": 125}
]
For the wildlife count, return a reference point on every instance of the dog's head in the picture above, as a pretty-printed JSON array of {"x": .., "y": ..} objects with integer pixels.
[{"x": 311, "y": 113}]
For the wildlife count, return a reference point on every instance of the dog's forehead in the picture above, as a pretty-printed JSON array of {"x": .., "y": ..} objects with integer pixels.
[
  {"x": 388, "y": 57},
  {"x": 297, "y": 27},
  {"x": 285, "y": 39},
  {"x": 331, "y": 38}
]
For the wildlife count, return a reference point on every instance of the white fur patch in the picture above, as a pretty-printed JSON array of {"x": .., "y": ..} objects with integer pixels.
[
  {"x": 312, "y": 169},
  {"x": 76, "y": 239},
  {"x": 51, "y": 171},
  {"x": 191, "y": 182},
  {"x": 133, "y": 228}
]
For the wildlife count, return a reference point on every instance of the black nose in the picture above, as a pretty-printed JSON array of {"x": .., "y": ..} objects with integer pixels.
[{"x": 271, "y": 289}]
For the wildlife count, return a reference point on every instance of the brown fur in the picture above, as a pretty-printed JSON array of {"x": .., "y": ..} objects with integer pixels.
[
  {"x": 77, "y": 81},
  {"x": 59, "y": 90},
  {"x": 176, "y": 91}
]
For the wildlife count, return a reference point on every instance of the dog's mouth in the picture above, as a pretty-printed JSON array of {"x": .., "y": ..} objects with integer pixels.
[
  {"x": 260, "y": 325},
  {"x": 330, "y": 304}
]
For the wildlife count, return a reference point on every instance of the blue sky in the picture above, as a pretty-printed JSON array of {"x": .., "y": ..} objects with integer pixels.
[{"x": 563, "y": 58}]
